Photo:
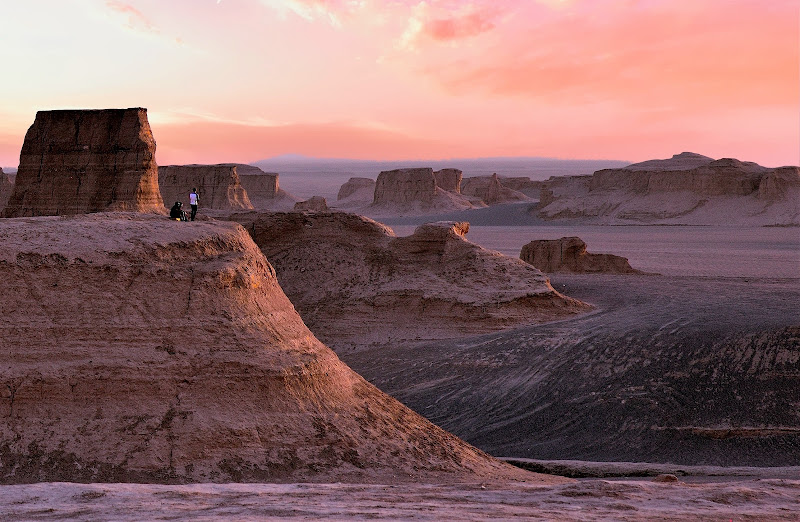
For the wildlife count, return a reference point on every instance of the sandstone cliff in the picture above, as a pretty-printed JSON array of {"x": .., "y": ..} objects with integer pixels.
[
  {"x": 355, "y": 283},
  {"x": 217, "y": 186},
  {"x": 137, "y": 349},
  {"x": 449, "y": 179},
  {"x": 569, "y": 254},
  {"x": 415, "y": 191},
  {"x": 80, "y": 161},
  {"x": 491, "y": 190},
  {"x": 688, "y": 188},
  {"x": 263, "y": 188}
]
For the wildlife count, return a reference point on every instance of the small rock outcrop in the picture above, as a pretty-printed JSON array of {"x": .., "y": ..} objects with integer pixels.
[
  {"x": 449, "y": 179},
  {"x": 83, "y": 161},
  {"x": 356, "y": 186},
  {"x": 138, "y": 350},
  {"x": 217, "y": 186},
  {"x": 355, "y": 284},
  {"x": 315, "y": 204},
  {"x": 491, "y": 190},
  {"x": 685, "y": 189},
  {"x": 569, "y": 254}
]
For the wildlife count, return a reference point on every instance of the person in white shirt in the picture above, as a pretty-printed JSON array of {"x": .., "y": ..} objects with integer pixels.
[{"x": 193, "y": 200}]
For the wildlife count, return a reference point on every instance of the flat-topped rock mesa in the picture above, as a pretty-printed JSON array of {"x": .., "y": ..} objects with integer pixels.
[
  {"x": 6, "y": 188},
  {"x": 569, "y": 254},
  {"x": 314, "y": 204},
  {"x": 136, "y": 349},
  {"x": 356, "y": 284},
  {"x": 491, "y": 190},
  {"x": 415, "y": 191},
  {"x": 82, "y": 161},
  {"x": 688, "y": 188},
  {"x": 218, "y": 186}
]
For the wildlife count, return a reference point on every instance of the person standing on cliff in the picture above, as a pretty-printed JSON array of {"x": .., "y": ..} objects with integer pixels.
[{"x": 193, "y": 200}]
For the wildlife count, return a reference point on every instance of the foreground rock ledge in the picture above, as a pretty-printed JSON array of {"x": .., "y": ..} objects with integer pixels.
[{"x": 139, "y": 349}]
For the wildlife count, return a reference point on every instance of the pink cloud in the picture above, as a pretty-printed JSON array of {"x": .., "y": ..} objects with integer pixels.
[
  {"x": 136, "y": 20},
  {"x": 458, "y": 27}
]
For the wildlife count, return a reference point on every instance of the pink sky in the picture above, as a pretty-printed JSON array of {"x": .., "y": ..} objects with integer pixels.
[{"x": 242, "y": 80}]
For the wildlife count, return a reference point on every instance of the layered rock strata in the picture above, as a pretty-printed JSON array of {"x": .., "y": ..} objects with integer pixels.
[
  {"x": 569, "y": 254},
  {"x": 449, "y": 179},
  {"x": 137, "y": 349},
  {"x": 686, "y": 189},
  {"x": 410, "y": 191},
  {"x": 82, "y": 161},
  {"x": 218, "y": 186},
  {"x": 355, "y": 283}
]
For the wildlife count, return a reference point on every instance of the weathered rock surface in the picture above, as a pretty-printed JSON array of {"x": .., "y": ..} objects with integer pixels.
[
  {"x": 314, "y": 204},
  {"x": 491, "y": 190},
  {"x": 569, "y": 254},
  {"x": 522, "y": 184},
  {"x": 138, "y": 349},
  {"x": 414, "y": 191},
  {"x": 355, "y": 283},
  {"x": 6, "y": 188},
  {"x": 449, "y": 179},
  {"x": 355, "y": 186},
  {"x": 217, "y": 186},
  {"x": 687, "y": 188},
  {"x": 81, "y": 161},
  {"x": 263, "y": 188}
]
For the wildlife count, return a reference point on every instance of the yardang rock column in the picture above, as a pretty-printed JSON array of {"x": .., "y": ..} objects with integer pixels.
[{"x": 83, "y": 161}]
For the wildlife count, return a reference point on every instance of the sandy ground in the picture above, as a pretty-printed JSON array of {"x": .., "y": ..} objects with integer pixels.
[{"x": 772, "y": 499}]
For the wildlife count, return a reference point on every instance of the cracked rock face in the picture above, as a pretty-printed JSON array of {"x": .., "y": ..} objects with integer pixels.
[
  {"x": 82, "y": 161},
  {"x": 140, "y": 349}
]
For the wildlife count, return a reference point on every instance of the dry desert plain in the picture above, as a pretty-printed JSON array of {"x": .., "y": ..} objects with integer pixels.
[{"x": 154, "y": 369}]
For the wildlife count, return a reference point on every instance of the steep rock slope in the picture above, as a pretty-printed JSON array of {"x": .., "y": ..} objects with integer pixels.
[
  {"x": 355, "y": 283},
  {"x": 686, "y": 189},
  {"x": 217, "y": 186},
  {"x": 491, "y": 190},
  {"x": 79, "y": 161},
  {"x": 141, "y": 349},
  {"x": 263, "y": 188}
]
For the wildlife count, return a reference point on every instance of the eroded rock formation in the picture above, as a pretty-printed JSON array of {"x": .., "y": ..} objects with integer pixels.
[
  {"x": 355, "y": 186},
  {"x": 491, "y": 190},
  {"x": 410, "y": 191},
  {"x": 448, "y": 179},
  {"x": 217, "y": 186},
  {"x": 314, "y": 204},
  {"x": 569, "y": 254},
  {"x": 6, "y": 188},
  {"x": 688, "y": 188},
  {"x": 137, "y": 349},
  {"x": 81, "y": 161},
  {"x": 355, "y": 283}
]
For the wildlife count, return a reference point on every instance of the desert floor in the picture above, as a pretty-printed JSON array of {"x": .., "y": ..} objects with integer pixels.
[{"x": 714, "y": 282}]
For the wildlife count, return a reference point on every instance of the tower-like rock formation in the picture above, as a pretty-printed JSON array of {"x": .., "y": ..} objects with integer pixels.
[
  {"x": 82, "y": 161},
  {"x": 449, "y": 179},
  {"x": 217, "y": 186},
  {"x": 136, "y": 349}
]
